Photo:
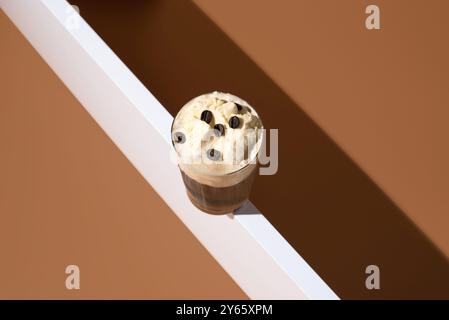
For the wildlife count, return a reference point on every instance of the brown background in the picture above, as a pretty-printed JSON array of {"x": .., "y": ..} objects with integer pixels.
[
  {"x": 362, "y": 118},
  {"x": 327, "y": 207},
  {"x": 69, "y": 196},
  {"x": 383, "y": 96}
]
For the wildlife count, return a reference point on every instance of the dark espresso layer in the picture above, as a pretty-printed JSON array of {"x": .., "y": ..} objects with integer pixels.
[{"x": 218, "y": 200}]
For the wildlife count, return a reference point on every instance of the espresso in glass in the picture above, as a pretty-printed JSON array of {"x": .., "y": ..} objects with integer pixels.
[{"x": 217, "y": 137}]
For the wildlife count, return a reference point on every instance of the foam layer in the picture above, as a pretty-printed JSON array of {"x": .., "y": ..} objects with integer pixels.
[{"x": 233, "y": 148}]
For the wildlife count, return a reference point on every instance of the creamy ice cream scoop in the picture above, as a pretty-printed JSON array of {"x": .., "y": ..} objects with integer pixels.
[{"x": 217, "y": 133}]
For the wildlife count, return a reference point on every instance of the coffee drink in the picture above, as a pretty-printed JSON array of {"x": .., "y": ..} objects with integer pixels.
[{"x": 217, "y": 137}]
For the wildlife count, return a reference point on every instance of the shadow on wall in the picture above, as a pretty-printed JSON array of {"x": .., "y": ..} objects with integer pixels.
[{"x": 319, "y": 200}]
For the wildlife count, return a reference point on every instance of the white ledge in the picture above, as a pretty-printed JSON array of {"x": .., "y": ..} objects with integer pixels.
[{"x": 247, "y": 246}]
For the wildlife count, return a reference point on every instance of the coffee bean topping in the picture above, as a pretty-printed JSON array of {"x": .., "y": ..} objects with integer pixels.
[
  {"x": 213, "y": 154},
  {"x": 234, "y": 122},
  {"x": 180, "y": 137},
  {"x": 219, "y": 130},
  {"x": 206, "y": 116}
]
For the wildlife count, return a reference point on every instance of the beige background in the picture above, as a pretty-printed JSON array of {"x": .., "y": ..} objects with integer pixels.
[{"x": 68, "y": 196}]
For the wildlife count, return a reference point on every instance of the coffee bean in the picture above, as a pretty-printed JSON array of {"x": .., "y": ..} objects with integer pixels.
[
  {"x": 213, "y": 154},
  {"x": 206, "y": 116},
  {"x": 219, "y": 130},
  {"x": 180, "y": 137},
  {"x": 234, "y": 122}
]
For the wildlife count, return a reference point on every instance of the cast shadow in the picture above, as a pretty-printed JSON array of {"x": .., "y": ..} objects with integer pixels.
[{"x": 320, "y": 200}]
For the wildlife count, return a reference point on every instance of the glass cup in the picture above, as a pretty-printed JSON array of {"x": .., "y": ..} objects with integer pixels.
[
  {"x": 218, "y": 194},
  {"x": 220, "y": 191}
]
